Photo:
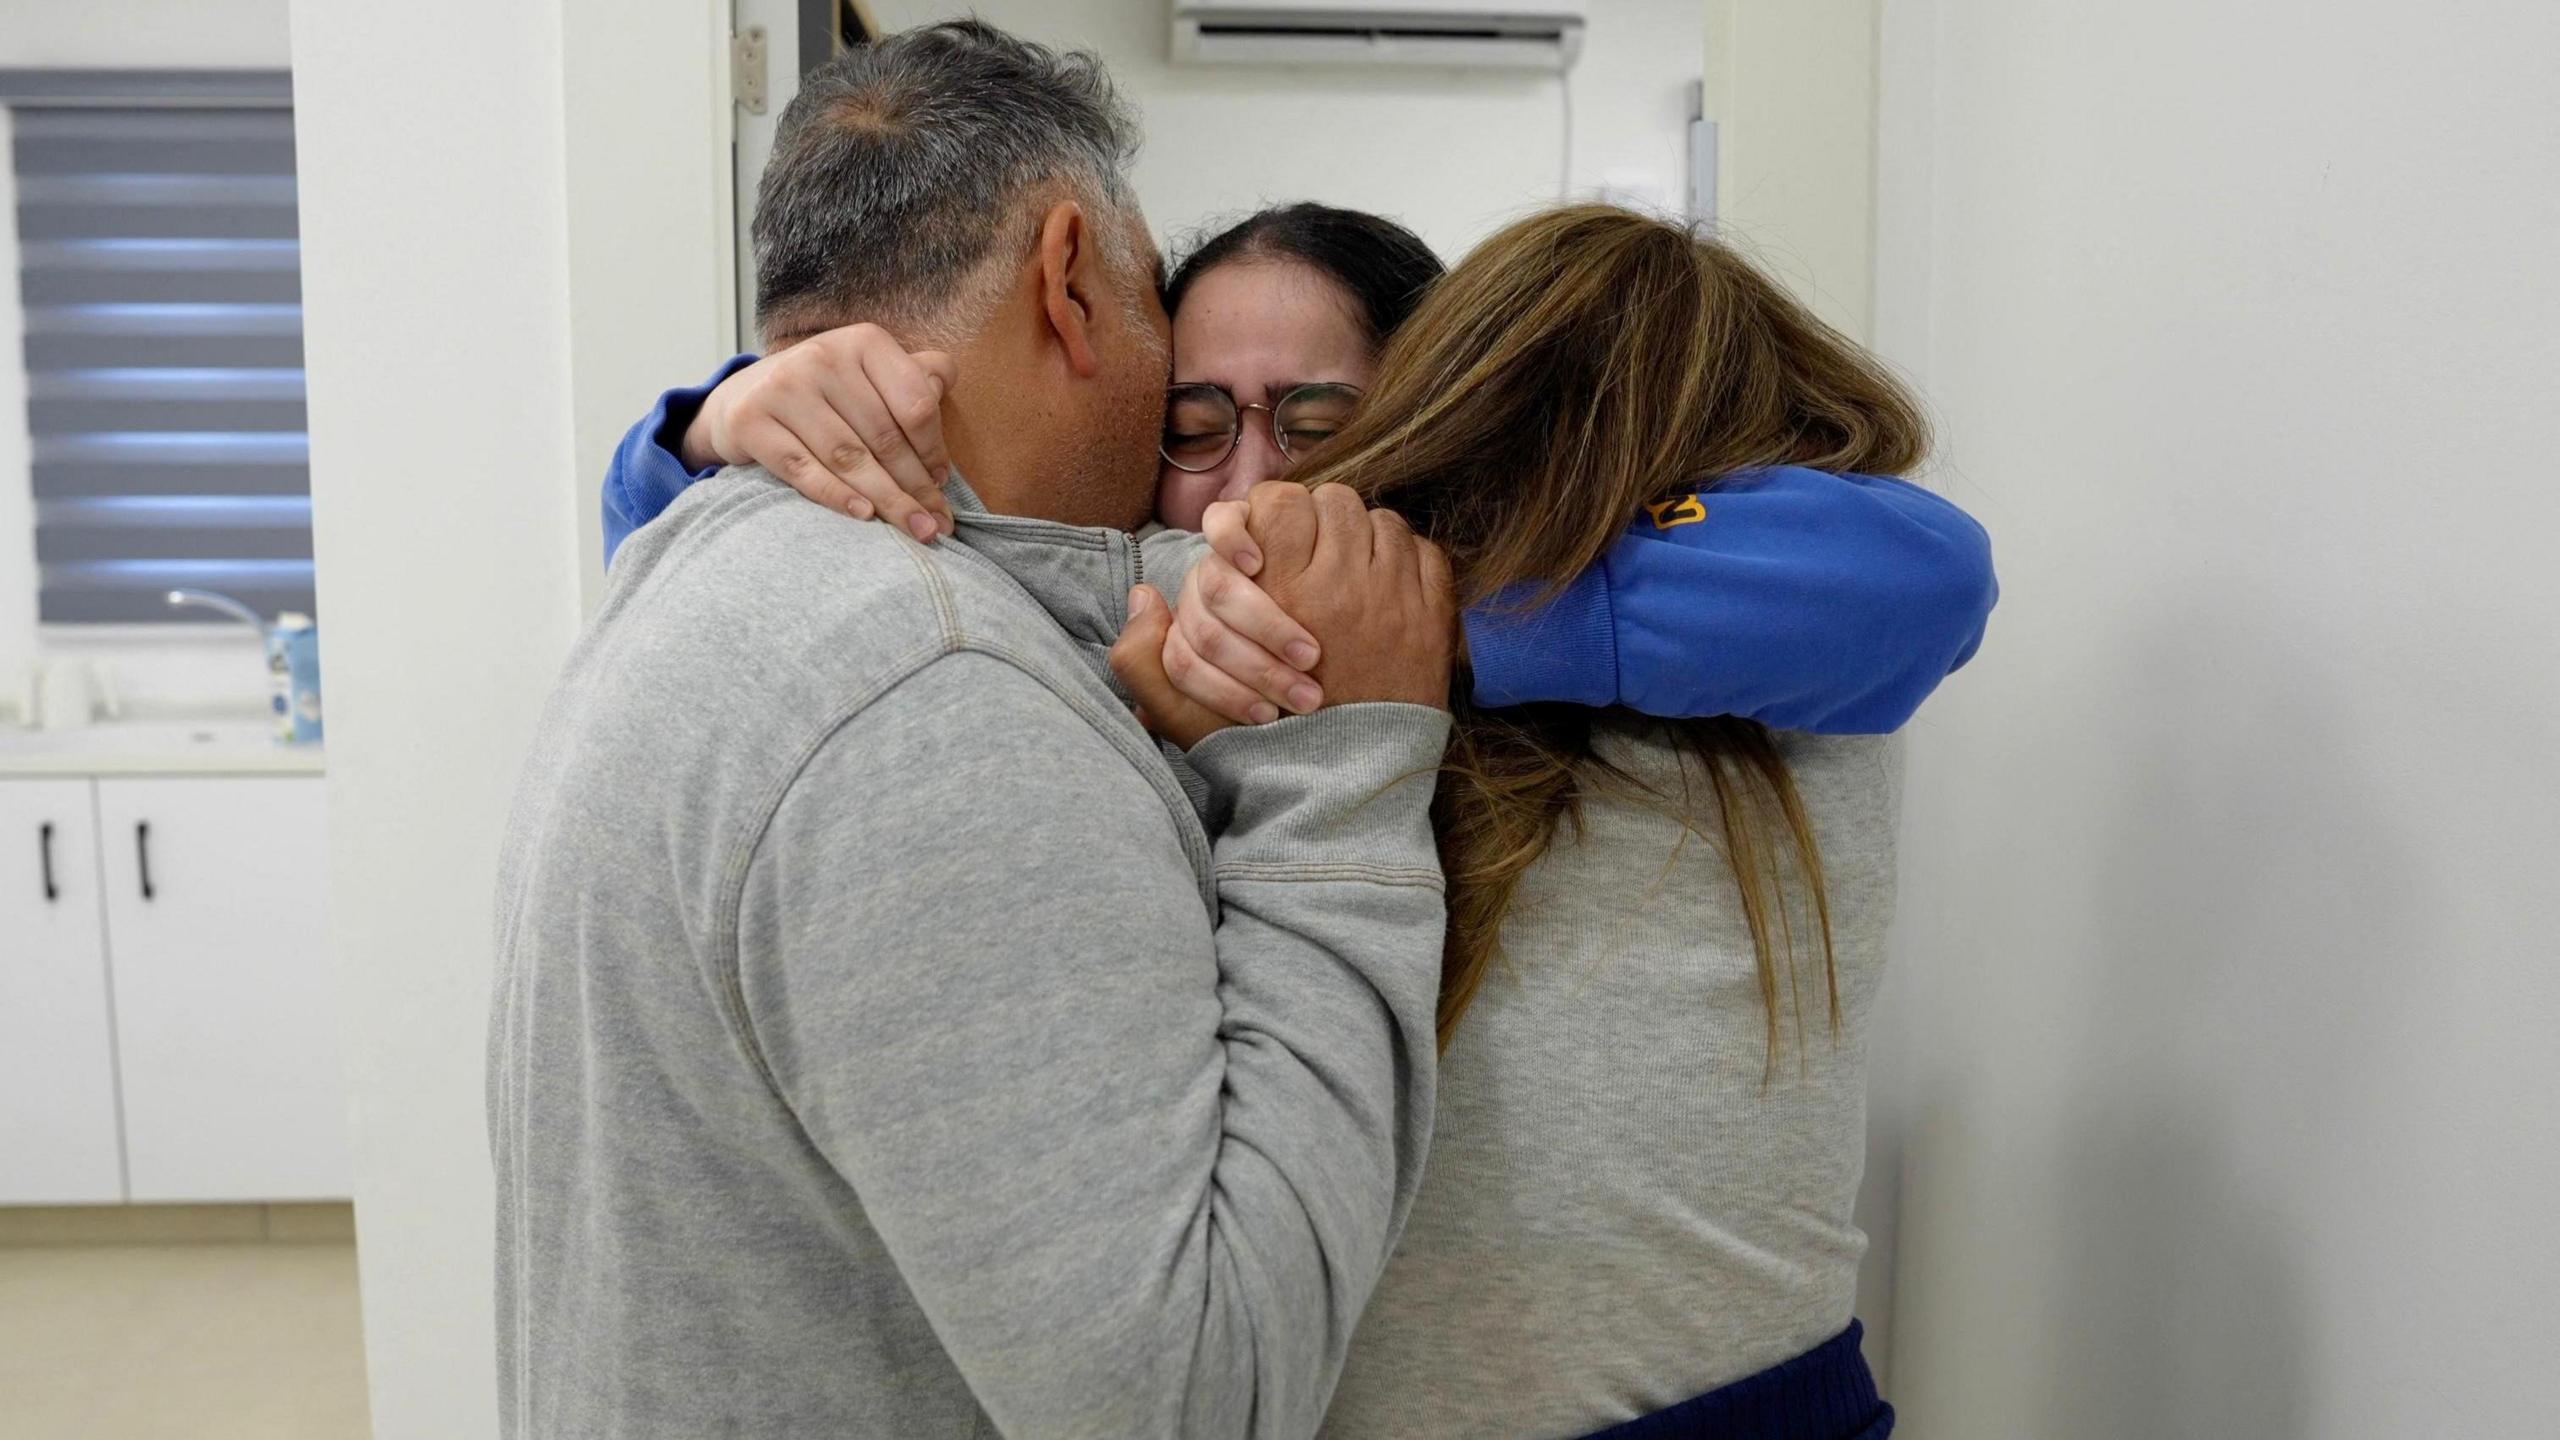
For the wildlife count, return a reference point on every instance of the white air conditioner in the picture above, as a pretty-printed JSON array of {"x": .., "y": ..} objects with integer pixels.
[{"x": 1505, "y": 34}]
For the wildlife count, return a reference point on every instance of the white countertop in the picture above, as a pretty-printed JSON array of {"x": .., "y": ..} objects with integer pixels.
[{"x": 156, "y": 747}]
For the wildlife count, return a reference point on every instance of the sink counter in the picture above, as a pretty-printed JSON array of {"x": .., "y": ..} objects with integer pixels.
[{"x": 156, "y": 747}]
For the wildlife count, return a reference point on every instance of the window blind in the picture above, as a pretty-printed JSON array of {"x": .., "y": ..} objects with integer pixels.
[{"x": 160, "y": 276}]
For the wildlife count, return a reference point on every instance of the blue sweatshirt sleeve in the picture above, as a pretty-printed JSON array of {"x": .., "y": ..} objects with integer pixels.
[
  {"x": 646, "y": 473},
  {"x": 1801, "y": 599}
]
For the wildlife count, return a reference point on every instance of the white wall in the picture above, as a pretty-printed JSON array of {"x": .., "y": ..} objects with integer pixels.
[
  {"x": 1632, "y": 101},
  {"x": 650, "y": 260},
  {"x": 2229, "y": 919},
  {"x": 504, "y": 237},
  {"x": 143, "y": 34},
  {"x": 1791, "y": 86},
  {"x": 1453, "y": 154}
]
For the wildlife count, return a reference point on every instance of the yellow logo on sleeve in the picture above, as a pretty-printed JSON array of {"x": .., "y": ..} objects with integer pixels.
[{"x": 1680, "y": 510}]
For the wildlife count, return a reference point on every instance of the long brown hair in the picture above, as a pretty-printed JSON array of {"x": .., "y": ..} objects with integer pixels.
[{"x": 1577, "y": 367}]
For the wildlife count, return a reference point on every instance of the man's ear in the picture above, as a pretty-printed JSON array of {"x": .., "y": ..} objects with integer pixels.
[{"x": 1071, "y": 282}]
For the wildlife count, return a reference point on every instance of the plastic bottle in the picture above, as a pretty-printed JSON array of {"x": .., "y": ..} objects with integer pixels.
[
  {"x": 297, "y": 641},
  {"x": 279, "y": 684}
]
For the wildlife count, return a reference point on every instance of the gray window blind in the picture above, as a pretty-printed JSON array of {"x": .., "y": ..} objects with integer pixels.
[{"x": 160, "y": 274}]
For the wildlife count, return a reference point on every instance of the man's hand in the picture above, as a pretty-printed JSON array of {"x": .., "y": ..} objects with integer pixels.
[
  {"x": 847, "y": 417},
  {"x": 1374, "y": 598}
]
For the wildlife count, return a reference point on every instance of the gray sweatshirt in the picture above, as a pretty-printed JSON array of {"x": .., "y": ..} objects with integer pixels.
[
  {"x": 1619, "y": 1213},
  {"x": 883, "y": 1046}
]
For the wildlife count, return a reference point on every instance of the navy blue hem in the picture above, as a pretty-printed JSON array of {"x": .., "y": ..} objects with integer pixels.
[{"x": 1827, "y": 1393}]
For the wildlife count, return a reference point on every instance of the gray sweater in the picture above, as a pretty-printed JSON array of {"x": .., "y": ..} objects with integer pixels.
[
  {"x": 882, "y": 1045},
  {"x": 1617, "y": 1214}
]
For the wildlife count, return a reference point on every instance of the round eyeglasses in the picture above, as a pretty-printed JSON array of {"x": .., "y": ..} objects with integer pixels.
[{"x": 1203, "y": 423}]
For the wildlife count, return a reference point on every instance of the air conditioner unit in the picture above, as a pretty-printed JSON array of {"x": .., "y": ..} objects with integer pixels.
[{"x": 1503, "y": 34}]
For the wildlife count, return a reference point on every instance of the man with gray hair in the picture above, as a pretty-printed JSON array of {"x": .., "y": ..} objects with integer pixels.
[{"x": 885, "y": 1041}]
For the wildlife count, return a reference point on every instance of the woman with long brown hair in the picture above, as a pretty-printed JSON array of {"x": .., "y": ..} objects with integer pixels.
[{"x": 1664, "y": 935}]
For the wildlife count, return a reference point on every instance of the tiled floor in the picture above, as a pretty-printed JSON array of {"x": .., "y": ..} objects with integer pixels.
[{"x": 206, "y": 1341}]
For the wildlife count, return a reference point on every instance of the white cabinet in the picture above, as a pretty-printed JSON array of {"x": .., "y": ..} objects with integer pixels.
[
  {"x": 225, "y": 1004},
  {"x": 168, "y": 1012},
  {"x": 57, "y": 1039}
]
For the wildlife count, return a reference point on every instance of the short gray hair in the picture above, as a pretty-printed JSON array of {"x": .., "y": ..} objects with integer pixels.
[{"x": 900, "y": 166}]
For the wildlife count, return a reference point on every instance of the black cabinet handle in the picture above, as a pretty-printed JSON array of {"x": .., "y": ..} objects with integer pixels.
[
  {"x": 44, "y": 842},
  {"x": 142, "y": 853}
]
